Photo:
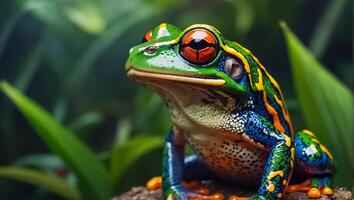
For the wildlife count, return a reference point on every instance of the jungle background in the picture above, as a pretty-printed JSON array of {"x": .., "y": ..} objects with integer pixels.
[{"x": 101, "y": 133}]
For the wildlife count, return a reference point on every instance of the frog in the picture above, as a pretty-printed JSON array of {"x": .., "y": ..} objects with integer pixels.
[{"x": 226, "y": 106}]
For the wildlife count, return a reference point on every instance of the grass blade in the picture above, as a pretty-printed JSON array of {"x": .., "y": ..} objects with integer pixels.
[
  {"x": 325, "y": 27},
  {"x": 86, "y": 16},
  {"x": 124, "y": 155},
  {"x": 87, "y": 120},
  {"x": 5, "y": 32},
  {"x": 93, "y": 178},
  {"x": 123, "y": 131},
  {"x": 50, "y": 162},
  {"x": 326, "y": 104},
  {"x": 35, "y": 177}
]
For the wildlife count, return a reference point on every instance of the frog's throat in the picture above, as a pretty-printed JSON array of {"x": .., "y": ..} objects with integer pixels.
[{"x": 135, "y": 73}]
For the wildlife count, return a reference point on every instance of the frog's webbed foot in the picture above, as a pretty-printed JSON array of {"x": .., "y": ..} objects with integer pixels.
[
  {"x": 314, "y": 187},
  {"x": 192, "y": 190},
  {"x": 234, "y": 197},
  {"x": 314, "y": 159},
  {"x": 181, "y": 193},
  {"x": 155, "y": 183}
]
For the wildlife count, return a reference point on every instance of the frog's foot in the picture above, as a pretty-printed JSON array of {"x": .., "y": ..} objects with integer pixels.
[
  {"x": 180, "y": 193},
  {"x": 315, "y": 187},
  {"x": 234, "y": 197},
  {"x": 303, "y": 187},
  {"x": 155, "y": 183},
  {"x": 193, "y": 190}
]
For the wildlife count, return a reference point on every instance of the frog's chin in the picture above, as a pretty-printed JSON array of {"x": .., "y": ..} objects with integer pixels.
[{"x": 140, "y": 75}]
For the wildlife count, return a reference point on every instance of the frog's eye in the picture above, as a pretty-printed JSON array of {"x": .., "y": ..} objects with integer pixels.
[
  {"x": 234, "y": 67},
  {"x": 199, "y": 46},
  {"x": 147, "y": 37}
]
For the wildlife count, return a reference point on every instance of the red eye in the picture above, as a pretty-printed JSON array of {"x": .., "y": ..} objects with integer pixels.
[
  {"x": 147, "y": 37},
  {"x": 199, "y": 46}
]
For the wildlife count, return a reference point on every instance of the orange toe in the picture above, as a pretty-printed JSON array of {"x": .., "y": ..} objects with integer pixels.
[
  {"x": 298, "y": 188},
  {"x": 192, "y": 184},
  {"x": 202, "y": 191},
  {"x": 216, "y": 196},
  {"x": 314, "y": 193},
  {"x": 234, "y": 197},
  {"x": 154, "y": 183},
  {"x": 327, "y": 191}
]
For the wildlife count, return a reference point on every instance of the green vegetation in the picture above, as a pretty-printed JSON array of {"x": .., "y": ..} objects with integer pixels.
[{"x": 93, "y": 133}]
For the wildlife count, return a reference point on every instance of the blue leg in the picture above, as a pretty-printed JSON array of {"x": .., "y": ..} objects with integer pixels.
[
  {"x": 173, "y": 158},
  {"x": 176, "y": 169},
  {"x": 280, "y": 160}
]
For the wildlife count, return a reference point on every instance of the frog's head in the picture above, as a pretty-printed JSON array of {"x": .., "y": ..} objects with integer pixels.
[{"x": 198, "y": 55}]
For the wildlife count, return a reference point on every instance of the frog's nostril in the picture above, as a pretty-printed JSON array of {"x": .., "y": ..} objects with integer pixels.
[{"x": 150, "y": 50}]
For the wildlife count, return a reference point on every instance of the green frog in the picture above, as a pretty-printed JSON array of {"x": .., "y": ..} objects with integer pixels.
[{"x": 228, "y": 108}]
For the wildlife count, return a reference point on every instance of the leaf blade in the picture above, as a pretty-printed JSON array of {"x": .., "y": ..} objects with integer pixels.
[
  {"x": 35, "y": 177},
  {"x": 93, "y": 176},
  {"x": 135, "y": 148},
  {"x": 326, "y": 104}
]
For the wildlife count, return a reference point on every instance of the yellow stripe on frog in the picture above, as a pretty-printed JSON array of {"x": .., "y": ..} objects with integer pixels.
[{"x": 259, "y": 86}]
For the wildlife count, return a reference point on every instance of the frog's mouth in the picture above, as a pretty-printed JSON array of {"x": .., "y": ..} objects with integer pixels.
[{"x": 137, "y": 74}]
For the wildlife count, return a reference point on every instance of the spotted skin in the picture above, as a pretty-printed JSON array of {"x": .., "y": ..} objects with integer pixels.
[{"x": 238, "y": 126}]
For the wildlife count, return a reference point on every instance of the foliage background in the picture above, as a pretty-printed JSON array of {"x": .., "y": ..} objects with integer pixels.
[{"x": 69, "y": 55}]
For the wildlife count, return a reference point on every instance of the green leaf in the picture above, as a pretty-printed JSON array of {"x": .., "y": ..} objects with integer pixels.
[
  {"x": 87, "y": 120},
  {"x": 42, "y": 161},
  {"x": 124, "y": 155},
  {"x": 87, "y": 16},
  {"x": 244, "y": 15},
  {"x": 326, "y": 26},
  {"x": 7, "y": 29},
  {"x": 93, "y": 177},
  {"x": 123, "y": 131},
  {"x": 326, "y": 103},
  {"x": 35, "y": 177},
  {"x": 30, "y": 65},
  {"x": 85, "y": 63}
]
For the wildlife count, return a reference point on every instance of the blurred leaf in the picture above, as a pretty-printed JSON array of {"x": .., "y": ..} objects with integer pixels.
[
  {"x": 43, "y": 161},
  {"x": 87, "y": 120},
  {"x": 147, "y": 101},
  {"x": 86, "y": 61},
  {"x": 5, "y": 32},
  {"x": 123, "y": 131},
  {"x": 50, "y": 163},
  {"x": 244, "y": 15},
  {"x": 29, "y": 66},
  {"x": 59, "y": 110},
  {"x": 126, "y": 154},
  {"x": 164, "y": 5},
  {"x": 87, "y": 16},
  {"x": 50, "y": 12},
  {"x": 115, "y": 10},
  {"x": 325, "y": 27},
  {"x": 326, "y": 103},
  {"x": 40, "y": 179},
  {"x": 93, "y": 177},
  {"x": 60, "y": 15}
]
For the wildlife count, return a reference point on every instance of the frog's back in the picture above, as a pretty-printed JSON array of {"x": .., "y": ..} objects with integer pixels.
[{"x": 263, "y": 85}]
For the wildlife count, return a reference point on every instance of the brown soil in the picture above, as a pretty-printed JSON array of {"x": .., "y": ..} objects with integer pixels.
[{"x": 141, "y": 193}]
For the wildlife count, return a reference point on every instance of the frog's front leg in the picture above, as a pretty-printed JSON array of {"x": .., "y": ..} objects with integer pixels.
[
  {"x": 279, "y": 164},
  {"x": 173, "y": 156},
  {"x": 173, "y": 170}
]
